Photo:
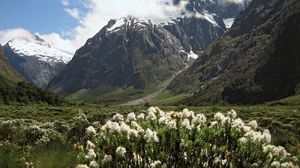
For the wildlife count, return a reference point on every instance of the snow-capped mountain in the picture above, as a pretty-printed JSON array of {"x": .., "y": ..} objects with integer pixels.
[
  {"x": 40, "y": 49},
  {"x": 36, "y": 60}
]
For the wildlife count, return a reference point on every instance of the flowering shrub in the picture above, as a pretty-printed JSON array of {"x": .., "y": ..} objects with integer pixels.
[{"x": 180, "y": 139}]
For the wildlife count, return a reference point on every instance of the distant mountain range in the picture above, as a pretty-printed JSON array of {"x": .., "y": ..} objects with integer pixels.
[{"x": 36, "y": 60}]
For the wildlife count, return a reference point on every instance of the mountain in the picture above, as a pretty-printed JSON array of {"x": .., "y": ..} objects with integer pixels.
[
  {"x": 36, "y": 60},
  {"x": 203, "y": 21},
  {"x": 126, "y": 53},
  {"x": 6, "y": 69},
  {"x": 132, "y": 57},
  {"x": 254, "y": 62},
  {"x": 13, "y": 89}
]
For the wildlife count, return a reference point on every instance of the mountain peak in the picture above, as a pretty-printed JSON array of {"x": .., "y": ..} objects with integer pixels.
[
  {"x": 126, "y": 22},
  {"x": 39, "y": 48}
]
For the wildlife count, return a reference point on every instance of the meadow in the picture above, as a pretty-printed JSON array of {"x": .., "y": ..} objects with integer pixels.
[{"x": 40, "y": 135}]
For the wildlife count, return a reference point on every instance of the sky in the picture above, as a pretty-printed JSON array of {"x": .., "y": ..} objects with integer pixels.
[{"x": 67, "y": 24}]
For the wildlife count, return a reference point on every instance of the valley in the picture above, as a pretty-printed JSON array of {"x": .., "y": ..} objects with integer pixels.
[{"x": 151, "y": 84}]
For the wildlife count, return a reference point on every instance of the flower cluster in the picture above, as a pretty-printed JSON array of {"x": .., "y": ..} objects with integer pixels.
[{"x": 177, "y": 139}]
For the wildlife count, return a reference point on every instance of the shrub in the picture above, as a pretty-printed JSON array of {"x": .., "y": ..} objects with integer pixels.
[{"x": 180, "y": 139}]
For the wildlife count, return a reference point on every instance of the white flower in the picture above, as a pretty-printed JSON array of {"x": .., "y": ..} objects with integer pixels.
[
  {"x": 131, "y": 117},
  {"x": 82, "y": 166},
  {"x": 224, "y": 161},
  {"x": 199, "y": 119},
  {"x": 150, "y": 136},
  {"x": 275, "y": 164},
  {"x": 152, "y": 110},
  {"x": 232, "y": 114},
  {"x": 139, "y": 129},
  {"x": 118, "y": 117},
  {"x": 286, "y": 165},
  {"x": 253, "y": 124},
  {"x": 238, "y": 123},
  {"x": 247, "y": 128},
  {"x": 214, "y": 123},
  {"x": 91, "y": 154},
  {"x": 162, "y": 120},
  {"x": 268, "y": 148},
  {"x": 121, "y": 151},
  {"x": 186, "y": 124},
  {"x": 141, "y": 116},
  {"x": 107, "y": 158},
  {"x": 154, "y": 164},
  {"x": 90, "y": 145},
  {"x": 280, "y": 152},
  {"x": 94, "y": 164},
  {"x": 90, "y": 130},
  {"x": 151, "y": 116},
  {"x": 112, "y": 127},
  {"x": 161, "y": 113},
  {"x": 124, "y": 127},
  {"x": 217, "y": 160},
  {"x": 219, "y": 117},
  {"x": 243, "y": 140},
  {"x": 171, "y": 124},
  {"x": 187, "y": 113},
  {"x": 266, "y": 136}
]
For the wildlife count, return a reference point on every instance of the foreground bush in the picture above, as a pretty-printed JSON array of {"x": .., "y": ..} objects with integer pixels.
[{"x": 180, "y": 139}]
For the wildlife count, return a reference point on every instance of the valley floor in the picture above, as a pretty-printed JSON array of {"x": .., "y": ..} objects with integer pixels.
[{"x": 60, "y": 123}]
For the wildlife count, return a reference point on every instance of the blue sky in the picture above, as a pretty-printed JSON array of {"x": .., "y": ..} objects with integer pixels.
[
  {"x": 67, "y": 24},
  {"x": 43, "y": 16}
]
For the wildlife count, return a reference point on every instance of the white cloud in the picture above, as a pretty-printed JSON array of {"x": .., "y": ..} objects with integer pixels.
[
  {"x": 58, "y": 42},
  {"x": 53, "y": 39},
  {"x": 74, "y": 12},
  {"x": 65, "y": 2},
  {"x": 10, "y": 34},
  {"x": 97, "y": 13},
  {"x": 101, "y": 11}
]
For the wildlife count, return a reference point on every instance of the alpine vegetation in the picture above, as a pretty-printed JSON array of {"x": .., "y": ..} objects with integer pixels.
[{"x": 180, "y": 139}]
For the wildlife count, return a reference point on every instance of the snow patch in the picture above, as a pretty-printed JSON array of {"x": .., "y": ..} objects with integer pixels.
[
  {"x": 205, "y": 15},
  {"x": 192, "y": 55},
  {"x": 228, "y": 22},
  {"x": 40, "y": 49}
]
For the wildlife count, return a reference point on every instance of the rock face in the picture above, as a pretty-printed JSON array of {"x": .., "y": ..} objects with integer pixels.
[
  {"x": 135, "y": 53},
  {"x": 126, "y": 52},
  {"x": 256, "y": 61},
  {"x": 35, "y": 60}
]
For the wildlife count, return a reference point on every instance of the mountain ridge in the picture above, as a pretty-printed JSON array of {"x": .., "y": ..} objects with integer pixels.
[
  {"x": 36, "y": 60},
  {"x": 234, "y": 68}
]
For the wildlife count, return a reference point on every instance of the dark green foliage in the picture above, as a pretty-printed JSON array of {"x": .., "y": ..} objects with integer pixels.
[{"x": 21, "y": 92}]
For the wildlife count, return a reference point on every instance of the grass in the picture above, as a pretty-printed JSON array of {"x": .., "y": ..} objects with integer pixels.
[
  {"x": 167, "y": 97},
  {"x": 104, "y": 94}
]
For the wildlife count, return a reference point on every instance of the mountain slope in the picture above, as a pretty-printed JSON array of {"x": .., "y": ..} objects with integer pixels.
[
  {"x": 128, "y": 52},
  {"x": 35, "y": 60},
  {"x": 130, "y": 58},
  {"x": 256, "y": 61},
  {"x": 12, "y": 89},
  {"x": 5, "y": 68}
]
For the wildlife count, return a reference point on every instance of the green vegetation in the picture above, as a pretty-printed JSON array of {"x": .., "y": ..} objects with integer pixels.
[
  {"x": 5, "y": 68},
  {"x": 61, "y": 123},
  {"x": 12, "y": 92}
]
